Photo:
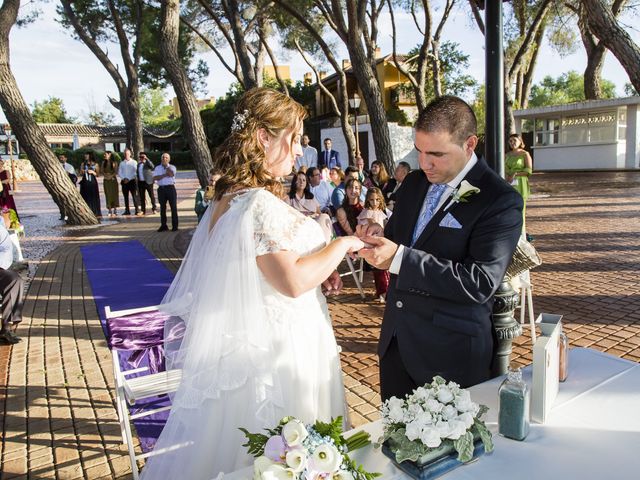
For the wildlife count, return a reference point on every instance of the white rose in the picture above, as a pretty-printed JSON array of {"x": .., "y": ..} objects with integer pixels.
[
  {"x": 413, "y": 431},
  {"x": 444, "y": 428},
  {"x": 260, "y": 464},
  {"x": 278, "y": 472},
  {"x": 342, "y": 475},
  {"x": 456, "y": 429},
  {"x": 395, "y": 402},
  {"x": 294, "y": 433},
  {"x": 325, "y": 458},
  {"x": 296, "y": 460},
  {"x": 396, "y": 414},
  {"x": 430, "y": 437},
  {"x": 466, "y": 418},
  {"x": 422, "y": 393},
  {"x": 433, "y": 405},
  {"x": 449, "y": 412},
  {"x": 424, "y": 418},
  {"x": 444, "y": 395}
]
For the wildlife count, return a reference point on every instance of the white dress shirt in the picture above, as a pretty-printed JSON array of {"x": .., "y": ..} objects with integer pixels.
[
  {"x": 161, "y": 170},
  {"x": 451, "y": 186},
  {"x": 6, "y": 248},
  {"x": 127, "y": 169},
  {"x": 69, "y": 168},
  {"x": 322, "y": 193},
  {"x": 308, "y": 159}
]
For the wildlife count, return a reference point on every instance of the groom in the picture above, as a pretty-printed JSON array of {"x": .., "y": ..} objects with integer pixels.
[{"x": 446, "y": 257}]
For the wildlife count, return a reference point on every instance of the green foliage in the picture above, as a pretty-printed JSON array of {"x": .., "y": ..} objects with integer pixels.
[
  {"x": 332, "y": 430},
  {"x": 480, "y": 108},
  {"x": 217, "y": 120},
  {"x": 464, "y": 447},
  {"x": 358, "y": 471},
  {"x": 255, "y": 442},
  {"x": 101, "y": 118},
  {"x": 154, "y": 107},
  {"x": 50, "y": 110},
  {"x": 567, "y": 88}
]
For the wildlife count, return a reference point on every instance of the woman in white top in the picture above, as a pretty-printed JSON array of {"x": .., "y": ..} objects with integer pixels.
[{"x": 258, "y": 343}]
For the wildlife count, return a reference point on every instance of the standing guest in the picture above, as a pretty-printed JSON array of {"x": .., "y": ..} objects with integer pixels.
[
  {"x": 329, "y": 158},
  {"x": 110, "y": 183},
  {"x": 375, "y": 212},
  {"x": 165, "y": 175},
  {"x": 71, "y": 173},
  {"x": 336, "y": 177},
  {"x": 378, "y": 176},
  {"x": 127, "y": 173},
  {"x": 351, "y": 207},
  {"x": 89, "y": 172},
  {"x": 205, "y": 195},
  {"x": 402, "y": 170},
  {"x": 446, "y": 257},
  {"x": 320, "y": 188},
  {"x": 11, "y": 287},
  {"x": 6, "y": 195},
  {"x": 518, "y": 167},
  {"x": 362, "y": 173},
  {"x": 309, "y": 156},
  {"x": 144, "y": 175},
  {"x": 337, "y": 197}
]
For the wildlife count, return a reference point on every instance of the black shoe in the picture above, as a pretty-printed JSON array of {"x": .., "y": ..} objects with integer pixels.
[
  {"x": 9, "y": 338},
  {"x": 127, "y": 212},
  {"x": 163, "y": 228},
  {"x": 174, "y": 229}
]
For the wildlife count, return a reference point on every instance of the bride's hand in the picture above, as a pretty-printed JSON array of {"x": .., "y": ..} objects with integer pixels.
[
  {"x": 370, "y": 229},
  {"x": 353, "y": 243},
  {"x": 333, "y": 284}
]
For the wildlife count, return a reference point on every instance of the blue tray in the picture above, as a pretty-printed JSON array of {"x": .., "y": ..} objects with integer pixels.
[{"x": 435, "y": 469}]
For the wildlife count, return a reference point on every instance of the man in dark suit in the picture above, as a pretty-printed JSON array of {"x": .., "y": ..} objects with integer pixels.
[
  {"x": 145, "y": 182},
  {"x": 451, "y": 237},
  {"x": 329, "y": 158}
]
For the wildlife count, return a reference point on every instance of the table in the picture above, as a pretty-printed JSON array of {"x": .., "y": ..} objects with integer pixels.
[{"x": 593, "y": 430}]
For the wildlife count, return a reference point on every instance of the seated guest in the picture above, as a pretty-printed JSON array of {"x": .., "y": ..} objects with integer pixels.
[
  {"x": 338, "y": 194},
  {"x": 301, "y": 198},
  {"x": 351, "y": 207},
  {"x": 378, "y": 176},
  {"x": 205, "y": 195},
  {"x": 402, "y": 170},
  {"x": 336, "y": 176},
  {"x": 11, "y": 287},
  {"x": 320, "y": 188}
]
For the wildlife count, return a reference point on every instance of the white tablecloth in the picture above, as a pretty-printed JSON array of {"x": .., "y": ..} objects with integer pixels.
[{"x": 593, "y": 431}]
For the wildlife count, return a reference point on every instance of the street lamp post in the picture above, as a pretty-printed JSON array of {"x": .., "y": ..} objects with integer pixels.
[
  {"x": 354, "y": 103},
  {"x": 7, "y": 132}
]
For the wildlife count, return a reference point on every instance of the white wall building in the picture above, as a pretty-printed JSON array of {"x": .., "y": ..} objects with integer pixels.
[
  {"x": 402, "y": 143},
  {"x": 590, "y": 135}
]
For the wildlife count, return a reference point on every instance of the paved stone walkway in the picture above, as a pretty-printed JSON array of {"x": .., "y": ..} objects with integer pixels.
[{"x": 60, "y": 420}]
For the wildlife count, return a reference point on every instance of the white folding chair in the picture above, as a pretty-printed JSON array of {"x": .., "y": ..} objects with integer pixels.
[
  {"x": 356, "y": 273},
  {"x": 526, "y": 302},
  {"x": 131, "y": 390}
]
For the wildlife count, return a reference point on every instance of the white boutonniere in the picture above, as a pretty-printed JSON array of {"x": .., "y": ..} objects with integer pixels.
[{"x": 462, "y": 193}]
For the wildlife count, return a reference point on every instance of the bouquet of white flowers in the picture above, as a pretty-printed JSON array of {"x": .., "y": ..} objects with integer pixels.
[
  {"x": 437, "y": 415},
  {"x": 293, "y": 450}
]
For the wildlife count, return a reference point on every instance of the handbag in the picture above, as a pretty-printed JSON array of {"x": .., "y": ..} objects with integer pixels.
[{"x": 525, "y": 257}]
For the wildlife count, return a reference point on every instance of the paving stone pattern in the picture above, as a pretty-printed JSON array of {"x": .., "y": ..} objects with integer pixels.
[{"x": 56, "y": 387}]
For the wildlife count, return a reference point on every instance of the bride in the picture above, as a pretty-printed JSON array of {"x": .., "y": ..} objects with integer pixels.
[{"x": 258, "y": 342}]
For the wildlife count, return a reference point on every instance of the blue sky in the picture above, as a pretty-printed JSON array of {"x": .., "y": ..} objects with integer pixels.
[{"x": 46, "y": 61}]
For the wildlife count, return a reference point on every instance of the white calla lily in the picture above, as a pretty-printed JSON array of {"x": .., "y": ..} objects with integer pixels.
[
  {"x": 294, "y": 433},
  {"x": 260, "y": 464},
  {"x": 296, "y": 460},
  {"x": 278, "y": 472},
  {"x": 325, "y": 458}
]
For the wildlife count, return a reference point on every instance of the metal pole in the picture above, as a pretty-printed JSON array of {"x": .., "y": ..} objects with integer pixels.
[
  {"x": 357, "y": 139},
  {"x": 494, "y": 75}
]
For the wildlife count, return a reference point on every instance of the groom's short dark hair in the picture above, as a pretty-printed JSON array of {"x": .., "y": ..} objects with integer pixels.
[{"x": 448, "y": 114}]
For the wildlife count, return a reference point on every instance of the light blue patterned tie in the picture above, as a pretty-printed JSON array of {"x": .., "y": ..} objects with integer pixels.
[{"x": 431, "y": 202}]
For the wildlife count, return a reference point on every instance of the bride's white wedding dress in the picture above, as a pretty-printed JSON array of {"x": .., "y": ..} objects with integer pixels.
[{"x": 250, "y": 355}]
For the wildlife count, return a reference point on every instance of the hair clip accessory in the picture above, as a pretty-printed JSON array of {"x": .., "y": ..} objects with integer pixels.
[{"x": 239, "y": 121}]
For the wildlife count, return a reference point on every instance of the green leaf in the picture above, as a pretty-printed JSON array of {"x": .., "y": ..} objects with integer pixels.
[
  {"x": 485, "y": 435},
  {"x": 333, "y": 429},
  {"x": 464, "y": 447},
  {"x": 255, "y": 442}
]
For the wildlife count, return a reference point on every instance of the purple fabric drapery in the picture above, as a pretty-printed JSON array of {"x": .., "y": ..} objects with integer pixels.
[{"x": 143, "y": 334}]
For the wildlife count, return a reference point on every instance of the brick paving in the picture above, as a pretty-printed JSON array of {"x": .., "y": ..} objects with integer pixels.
[{"x": 60, "y": 420}]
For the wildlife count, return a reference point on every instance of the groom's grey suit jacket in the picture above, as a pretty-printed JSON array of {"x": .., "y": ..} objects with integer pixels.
[{"x": 439, "y": 305}]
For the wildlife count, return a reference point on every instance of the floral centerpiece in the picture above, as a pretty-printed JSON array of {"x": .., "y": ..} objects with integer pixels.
[
  {"x": 432, "y": 422},
  {"x": 293, "y": 450}
]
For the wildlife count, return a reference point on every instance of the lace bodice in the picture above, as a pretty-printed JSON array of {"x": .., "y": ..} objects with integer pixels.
[{"x": 278, "y": 226}]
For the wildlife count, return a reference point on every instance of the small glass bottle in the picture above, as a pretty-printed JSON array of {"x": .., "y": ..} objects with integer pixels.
[
  {"x": 563, "y": 346},
  {"x": 513, "y": 419}
]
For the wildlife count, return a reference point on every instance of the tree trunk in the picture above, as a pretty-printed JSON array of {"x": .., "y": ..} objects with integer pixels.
[
  {"x": 593, "y": 73},
  {"x": 191, "y": 121},
  {"x": 134, "y": 120},
  {"x": 31, "y": 139},
  {"x": 604, "y": 26}
]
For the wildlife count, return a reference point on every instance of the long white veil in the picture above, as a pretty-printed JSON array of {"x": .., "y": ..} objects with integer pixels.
[{"x": 224, "y": 354}]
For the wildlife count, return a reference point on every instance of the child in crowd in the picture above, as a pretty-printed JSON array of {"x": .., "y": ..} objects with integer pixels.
[{"x": 375, "y": 212}]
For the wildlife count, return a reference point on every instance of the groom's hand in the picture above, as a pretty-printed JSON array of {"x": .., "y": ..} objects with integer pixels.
[
  {"x": 380, "y": 253},
  {"x": 370, "y": 229}
]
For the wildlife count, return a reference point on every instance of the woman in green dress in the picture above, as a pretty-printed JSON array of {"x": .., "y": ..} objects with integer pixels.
[
  {"x": 518, "y": 167},
  {"x": 110, "y": 183}
]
